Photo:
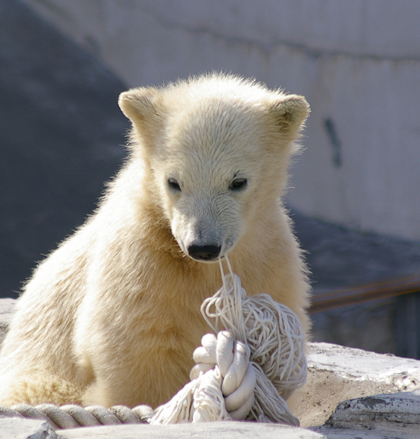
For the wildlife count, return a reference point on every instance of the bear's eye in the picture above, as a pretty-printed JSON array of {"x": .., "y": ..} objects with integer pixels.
[
  {"x": 238, "y": 184},
  {"x": 173, "y": 184}
]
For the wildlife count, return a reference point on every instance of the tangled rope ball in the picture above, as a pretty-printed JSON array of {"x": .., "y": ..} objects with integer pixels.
[{"x": 261, "y": 335}]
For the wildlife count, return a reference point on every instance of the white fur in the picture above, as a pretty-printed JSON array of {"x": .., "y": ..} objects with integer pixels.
[{"x": 112, "y": 316}]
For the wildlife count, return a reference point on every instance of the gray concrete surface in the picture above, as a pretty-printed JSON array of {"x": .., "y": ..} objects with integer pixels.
[
  {"x": 376, "y": 412},
  {"x": 6, "y": 315},
  {"x": 19, "y": 428}
]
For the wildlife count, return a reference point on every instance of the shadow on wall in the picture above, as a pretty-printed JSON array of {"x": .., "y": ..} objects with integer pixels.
[{"x": 61, "y": 132}]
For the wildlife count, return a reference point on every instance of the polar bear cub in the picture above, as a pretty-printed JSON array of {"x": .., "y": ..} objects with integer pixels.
[{"x": 113, "y": 315}]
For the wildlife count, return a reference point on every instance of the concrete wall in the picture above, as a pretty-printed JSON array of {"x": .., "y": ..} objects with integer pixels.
[{"x": 358, "y": 64}]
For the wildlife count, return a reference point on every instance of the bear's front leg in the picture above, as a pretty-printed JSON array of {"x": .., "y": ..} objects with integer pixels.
[
  {"x": 134, "y": 374},
  {"x": 132, "y": 358}
]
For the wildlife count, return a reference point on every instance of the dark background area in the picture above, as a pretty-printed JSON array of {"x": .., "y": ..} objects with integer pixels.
[{"x": 61, "y": 137}]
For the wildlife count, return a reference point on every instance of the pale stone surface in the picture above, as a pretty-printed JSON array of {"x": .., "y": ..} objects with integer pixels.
[
  {"x": 6, "y": 315},
  {"x": 401, "y": 409},
  {"x": 19, "y": 428},
  {"x": 337, "y": 373},
  {"x": 205, "y": 430},
  {"x": 349, "y": 362},
  {"x": 16, "y": 428},
  {"x": 382, "y": 416},
  {"x": 6, "y": 310}
]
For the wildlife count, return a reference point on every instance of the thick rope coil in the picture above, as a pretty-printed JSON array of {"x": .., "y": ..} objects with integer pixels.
[
  {"x": 73, "y": 416},
  {"x": 232, "y": 359}
]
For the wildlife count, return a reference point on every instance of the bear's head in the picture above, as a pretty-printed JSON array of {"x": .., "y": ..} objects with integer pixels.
[{"x": 216, "y": 150}]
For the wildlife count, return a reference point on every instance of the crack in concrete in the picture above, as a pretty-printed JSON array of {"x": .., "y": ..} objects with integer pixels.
[{"x": 269, "y": 48}]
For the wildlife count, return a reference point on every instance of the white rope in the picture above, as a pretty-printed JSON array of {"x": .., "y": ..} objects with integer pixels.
[
  {"x": 249, "y": 369},
  {"x": 72, "y": 416}
]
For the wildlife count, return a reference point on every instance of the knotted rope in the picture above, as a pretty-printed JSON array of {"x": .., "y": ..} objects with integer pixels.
[
  {"x": 249, "y": 369},
  {"x": 246, "y": 371}
]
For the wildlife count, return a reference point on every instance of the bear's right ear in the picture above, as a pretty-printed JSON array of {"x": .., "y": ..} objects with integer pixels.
[
  {"x": 140, "y": 104},
  {"x": 289, "y": 112}
]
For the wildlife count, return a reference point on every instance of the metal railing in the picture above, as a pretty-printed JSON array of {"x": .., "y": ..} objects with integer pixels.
[{"x": 325, "y": 301}]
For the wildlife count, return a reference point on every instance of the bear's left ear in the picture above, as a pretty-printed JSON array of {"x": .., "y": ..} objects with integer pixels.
[
  {"x": 289, "y": 112},
  {"x": 140, "y": 105}
]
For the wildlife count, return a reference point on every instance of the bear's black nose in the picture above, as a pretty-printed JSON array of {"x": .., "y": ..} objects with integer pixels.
[{"x": 204, "y": 252}]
